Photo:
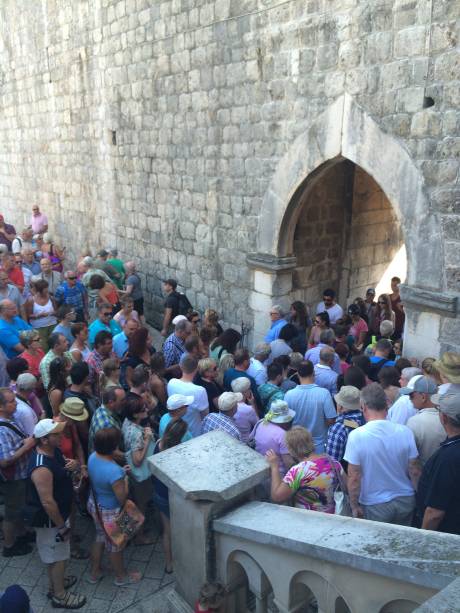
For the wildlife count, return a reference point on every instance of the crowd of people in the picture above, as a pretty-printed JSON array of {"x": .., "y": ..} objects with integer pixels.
[{"x": 86, "y": 399}]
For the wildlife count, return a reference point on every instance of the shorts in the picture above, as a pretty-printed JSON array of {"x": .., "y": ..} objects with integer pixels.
[
  {"x": 141, "y": 492},
  {"x": 398, "y": 511},
  {"x": 49, "y": 550},
  {"x": 139, "y": 306},
  {"x": 162, "y": 504},
  {"x": 106, "y": 515},
  {"x": 15, "y": 498}
]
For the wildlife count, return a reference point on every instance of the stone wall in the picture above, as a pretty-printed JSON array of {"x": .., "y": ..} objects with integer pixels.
[{"x": 157, "y": 126}]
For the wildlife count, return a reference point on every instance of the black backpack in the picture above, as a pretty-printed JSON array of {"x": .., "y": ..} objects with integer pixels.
[
  {"x": 374, "y": 370},
  {"x": 183, "y": 304}
]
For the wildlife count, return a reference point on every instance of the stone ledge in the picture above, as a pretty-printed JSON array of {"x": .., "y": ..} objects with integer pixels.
[
  {"x": 270, "y": 263},
  {"x": 447, "y": 600},
  {"x": 427, "y": 300}
]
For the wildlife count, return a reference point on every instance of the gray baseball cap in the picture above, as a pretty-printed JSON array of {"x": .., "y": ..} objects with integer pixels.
[
  {"x": 424, "y": 385},
  {"x": 449, "y": 404}
]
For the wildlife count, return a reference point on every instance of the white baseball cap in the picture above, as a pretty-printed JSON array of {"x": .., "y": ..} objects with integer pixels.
[
  {"x": 228, "y": 400},
  {"x": 178, "y": 318},
  {"x": 48, "y": 426},
  {"x": 177, "y": 401}
]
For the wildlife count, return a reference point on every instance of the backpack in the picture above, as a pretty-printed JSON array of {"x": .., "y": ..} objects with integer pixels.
[
  {"x": 375, "y": 369},
  {"x": 183, "y": 304}
]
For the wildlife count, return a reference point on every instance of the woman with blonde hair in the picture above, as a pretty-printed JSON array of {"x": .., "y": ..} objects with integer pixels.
[
  {"x": 226, "y": 362},
  {"x": 110, "y": 376},
  {"x": 211, "y": 319},
  {"x": 312, "y": 481},
  {"x": 206, "y": 377}
]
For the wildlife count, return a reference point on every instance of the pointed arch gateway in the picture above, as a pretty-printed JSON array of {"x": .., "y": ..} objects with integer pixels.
[{"x": 344, "y": 134}]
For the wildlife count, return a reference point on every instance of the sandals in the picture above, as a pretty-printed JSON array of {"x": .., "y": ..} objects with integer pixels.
[
  {"x": 128, "y": 579},
  {"x": 68, "y": 601},
  {"x": 68, "y": 582},
  {"x": 94, "y": 580}
]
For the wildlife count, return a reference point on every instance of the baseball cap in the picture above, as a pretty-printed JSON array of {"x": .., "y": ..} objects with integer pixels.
[
  {"x": 177, "y": 401},
  {"x": 228, "y": 400},
  {"x": 48, "y": 426},
  {"x": 449, "y": 404},
  {"x": 424, "y": 385},
  {"x": 177, "y": 319},
  {"x": 370, "y": 290},
  {"x": 102, "y": 253}
]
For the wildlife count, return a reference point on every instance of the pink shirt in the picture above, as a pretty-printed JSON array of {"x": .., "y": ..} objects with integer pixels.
[
  {"x": 245, "y": 419},
  {"x": 38, "y": 222},
  {"x": 356, "y": 329},
  {"x": 270, "y": 436}
]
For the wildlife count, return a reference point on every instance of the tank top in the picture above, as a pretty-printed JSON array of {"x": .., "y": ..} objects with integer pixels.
[{"x": 43, "y": 320}]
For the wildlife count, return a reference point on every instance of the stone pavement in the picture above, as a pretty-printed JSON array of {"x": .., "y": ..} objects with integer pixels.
[{"x": 147, "y": 595}]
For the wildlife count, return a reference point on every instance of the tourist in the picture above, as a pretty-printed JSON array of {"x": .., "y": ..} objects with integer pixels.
[
  {"x": 38, "y": 220},
  {"x": 104, "y": 321},
  {"x": 192, "y": 347},
  {"x": 27, "y": 275},
  {"x": 199, "y": 408},
  {"x": 312, "y": 406},
  {"x": 277, "y": 316},
  {"x": 102, "y": 263},
  {"x": 171, "y": 305},
  {"x": 363, "y": 362},
  {"x": 8, "y": 291},
  {"x": 299, "y": 317},
  {"x": 321, "y": 323},
  {"x": 109, "y": 492},
  {"x": 15, "y": 274},
  {"x": 257, "y": 367},
  {"x": 102, "y": 351},
  {"x": 52, "y": 277},
  {"x": 388, "y": 378},
  {"x": 246, "y": 415},
  {"x": 134, "y": 289},
  {"x": 211, "y": 320},
  {"x": 126, "y": 312},
  {"x": 7, "y": 233},
  {"x": 240, "y": 368},
  {"x": 65, "y": 315},
  {"x": 224, "y": 344},
  {"x": 402, "y": 409},
  {"x": 282, "y": 345},
  {"x": 121, "y": 340},
  {"x": 361, "y": 304},
  {"x": 269, "y": 434},
  {"x": 33, "y": 352},
  {"x": 426, "y": 427},
  {"x": 349, "y": 417},
  {"x": 329, "y": 304},
  {"x": 108, "y": 415},
  {"x": 110, "y": 374},
  {"x": 312, "y": 481},
  {"x": 227, "y": 361},
  {"x": 58, "y": 346},
  {"x": 224, "y": 419},
  {"x": 271, "y": 390},
  {"x": 382, "y": 312},
  {"x": 40, "y": 311},
  {"x": 177, "y": 406},
  {"x": 139, "y": 353},
  {"x": 29, "y": 262},
  {"x": 429, "y": 369},
  {"x": 139, "y": 444},
  {"x": 326, "y": 340},
  {"x": 325, "y": 376},
  {"x": 15, "y": 448},
  {"x": 59, "y": 370},
  {"x": 195, "y": 319},
  {"x": 402, "y": 363},
  {"x": 55, "y": 254},
  {"x": 381, "y": 358},
  {"x": 51, "y": 493},
  {"x": 295, "y": 360},
  {"x": 157, "y": 379},
  {"x": 383, "y": 465},
  {"x": 79, "y": 349},
  {"x": 285, "y": 362},
  {"x": 448, "y": 367},
  {"x": 88, "y": 269},
  {"x": 25, "y": 415},
  {"x": 80, "y": 388},
  {"x": 206, "y": 377},
  {"x": 173, "y": 347},
  {"x": 119, "y": 266},
  {"x": 207, "y": 335},
  {"x": 359, "y": 329},
  {"x": 344, "y": 353},
  {"x": 73, "y": 293},
  {"x": 106, "y": 292},
  {"x": 397, "y": 307},
  {"x": 173, "y": 435},
  {"x": 438, "y": 498}
]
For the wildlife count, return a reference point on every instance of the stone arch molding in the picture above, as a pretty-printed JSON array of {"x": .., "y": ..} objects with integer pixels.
[{"x": 345, "y": 130}]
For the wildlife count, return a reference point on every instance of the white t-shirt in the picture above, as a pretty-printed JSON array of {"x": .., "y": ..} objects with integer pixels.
[
  {"x": 25, "y": 417},
  {"x": 428, "y": 432},
  {"x": 335, "y": 312},
  {"x": 382, "y": 449},
  {"x": 401, "y": 410},
  {"x": 258, "y": 371},
  {"x": 194, "y": 412}
]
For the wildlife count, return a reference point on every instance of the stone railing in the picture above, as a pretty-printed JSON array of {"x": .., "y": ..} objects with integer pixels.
[{"x": 278, "y": 558}]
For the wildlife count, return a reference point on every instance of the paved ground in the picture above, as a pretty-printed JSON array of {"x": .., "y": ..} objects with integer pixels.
[{"x": 148, "y": 595}]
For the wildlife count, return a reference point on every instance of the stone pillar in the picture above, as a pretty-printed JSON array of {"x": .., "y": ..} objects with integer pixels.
[
  {"x": 205, "y": 477},
  {"x": 272, "y": 285}
]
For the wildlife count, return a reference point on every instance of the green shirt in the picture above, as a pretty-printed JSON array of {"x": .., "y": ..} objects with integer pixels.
[{"x": 119, "y": 267}]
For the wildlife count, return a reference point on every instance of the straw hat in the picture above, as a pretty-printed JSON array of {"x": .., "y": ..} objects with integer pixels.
[
  {"x": 449, "y": 366},
  {"x": 74, "y": 408}
]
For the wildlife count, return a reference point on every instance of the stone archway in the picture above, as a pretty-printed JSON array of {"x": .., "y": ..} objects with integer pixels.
[{"x": 346, "y": 131}]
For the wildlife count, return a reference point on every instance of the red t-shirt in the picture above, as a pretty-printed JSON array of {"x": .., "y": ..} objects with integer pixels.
[{"x": 15, "y": 275}]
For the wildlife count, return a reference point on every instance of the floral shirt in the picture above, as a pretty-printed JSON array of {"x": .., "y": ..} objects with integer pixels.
[{"x": 314, "y": 482}]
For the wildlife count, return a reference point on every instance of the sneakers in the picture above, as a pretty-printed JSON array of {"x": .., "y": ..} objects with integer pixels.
[{"x": 18, "y": 549}]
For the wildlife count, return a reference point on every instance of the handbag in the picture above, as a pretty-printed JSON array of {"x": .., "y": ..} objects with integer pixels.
[
  {"x": 341, "y": 499},
  {"x": 125, "y": 525},
  {"x": 252, "y": 439}
]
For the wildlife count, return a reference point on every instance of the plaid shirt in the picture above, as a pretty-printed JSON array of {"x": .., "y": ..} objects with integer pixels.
[
  {"x": 102, "y": 418},
  {"x": 173, "y": 349},
  {"x": 10, "y": 442},
  {"x": 219, "y": 421},
  {"x": 75, "y": 296},
  {"x": 337, "y": 435},
  {"x": 45, "y": 365}
]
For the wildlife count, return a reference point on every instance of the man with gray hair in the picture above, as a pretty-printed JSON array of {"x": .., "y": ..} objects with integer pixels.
[
  {"x": 438, "y": 494},
  {"x": 257, "y": 369},
  {"x": 25, "y": 416},
  {"x": 174, "y": 345},
  {"x": 325, "y": 376},
  {"x": 383, "y": 465},
  {"x": 47, "y": 273},
  {"x": 277, "y": 316},
  {"x": 326, "y": 341},
  {"x": 403, "y": 409}
]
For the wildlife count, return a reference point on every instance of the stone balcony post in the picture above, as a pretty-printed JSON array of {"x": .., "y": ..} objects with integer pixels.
[{"x": 205, "y": 476}]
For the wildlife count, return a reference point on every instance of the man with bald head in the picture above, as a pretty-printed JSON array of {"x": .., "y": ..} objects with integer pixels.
[
  {"x": 53, "y": 277},
  {"x": 10, "y": 327}
]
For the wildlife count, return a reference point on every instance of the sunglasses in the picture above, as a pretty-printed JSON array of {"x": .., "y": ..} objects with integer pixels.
[
  {"x": 382, "y": 302},
  {"x": 71, "y": 278},
  {"x": 107, "y": 314}
]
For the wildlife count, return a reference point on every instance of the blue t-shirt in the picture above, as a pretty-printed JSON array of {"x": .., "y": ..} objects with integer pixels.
[
  {"x": 103, "y": 474},
  {"x": 97, "y": 326},
  {"x": 164, "y": 421},
  {"x": 65, "y": 331},
  {"x": 120, "y": 344},
  {"x": 9, "y": 335}
]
